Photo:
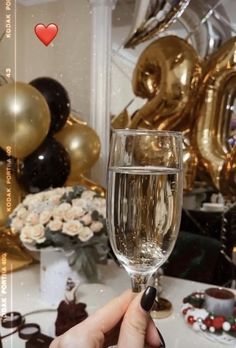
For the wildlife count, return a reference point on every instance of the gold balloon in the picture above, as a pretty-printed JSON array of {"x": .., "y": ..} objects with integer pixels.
[
  {"x": 215, "y": 112},
  {"x": 93, "y": 186},
  {"x": 13, "y": 256},
  {"x": 120, "y": 121},
  {"x": 153, "y": 17},
  {"x": 74, "y": 119},
  {"x": 168, "y": 74},
  {"x": 24, "y": 118},
  {"x": 190, "y": 161},
  {"x": 10, "y": 192},
  {"x": 82, "y": 144},
  {"x": 228, "y": 176}
]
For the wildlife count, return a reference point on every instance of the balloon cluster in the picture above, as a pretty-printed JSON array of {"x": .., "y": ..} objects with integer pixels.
[
  {"x": 192, "y": 96},
  {"x": 41, "y": 144},
  {"x": 153, "y": 17}
]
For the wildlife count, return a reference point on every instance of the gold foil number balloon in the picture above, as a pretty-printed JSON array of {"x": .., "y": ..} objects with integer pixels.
[
  {"x": 215, "y": 112},
  {"x": 167, "y": 74},
  {"x": 24, "y": 118},
  {"x": 83, "y": 146},
  {"x": 153, "y": 17}
]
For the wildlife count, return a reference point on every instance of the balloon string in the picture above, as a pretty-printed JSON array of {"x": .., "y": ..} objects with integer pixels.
[{"x": 203, "y": 20}]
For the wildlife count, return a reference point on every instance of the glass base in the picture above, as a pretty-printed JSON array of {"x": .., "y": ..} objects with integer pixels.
[{"x": 162, "y": 308}]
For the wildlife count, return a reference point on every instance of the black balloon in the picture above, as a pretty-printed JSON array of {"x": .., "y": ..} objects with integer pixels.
[
  {"x": 57, "y": 99},
  {"x": 3, "y": 155},
  {"x": 47, "y": 167}
]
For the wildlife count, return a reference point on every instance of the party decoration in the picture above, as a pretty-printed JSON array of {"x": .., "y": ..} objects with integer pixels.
[
  {"x": 3, "y": 155},
  {"x": 48, "y": 166},
  {"x": 216, "y": 328},
  {"x": 57, "y": 99},
  {"x": 83, "y": 146},
  {"x": 24, "y": 118},
  {"x": 74, "y": 120},
  {"x": 215, "y": 110},
  {"x": 70, "y": 218},
  {"x": 13, "y": 256},
  {"x": 10, "y": 192},
  {"x": 207, "y": 25},
  {"x": 167, "y": 74},
  {"x": 228, "y": 175},
  {"x": 120, "y": 121},
  {"x": 153, "y": 17}
]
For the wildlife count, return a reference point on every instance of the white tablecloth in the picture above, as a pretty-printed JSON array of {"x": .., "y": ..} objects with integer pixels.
[{"x": 23, "y": 295}]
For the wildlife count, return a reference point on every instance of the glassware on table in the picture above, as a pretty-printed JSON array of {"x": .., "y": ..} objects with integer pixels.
[{"x": 144, "y": 201}]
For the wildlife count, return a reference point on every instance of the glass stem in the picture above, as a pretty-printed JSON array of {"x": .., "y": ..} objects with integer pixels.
[{"x": 139, "y": 282}]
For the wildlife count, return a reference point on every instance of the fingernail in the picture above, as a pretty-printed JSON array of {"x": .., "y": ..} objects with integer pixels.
[
  {"x": 148, "y": 298},
  {"x": 163, "y": 345}
]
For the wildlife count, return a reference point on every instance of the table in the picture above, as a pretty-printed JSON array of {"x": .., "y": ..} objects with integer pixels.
[{"x": 23, "y": 295}]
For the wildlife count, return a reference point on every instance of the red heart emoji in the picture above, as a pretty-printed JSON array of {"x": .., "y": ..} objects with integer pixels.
[{"x": 46, "y": 33}]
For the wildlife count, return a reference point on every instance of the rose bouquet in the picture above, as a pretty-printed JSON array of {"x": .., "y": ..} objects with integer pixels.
[{"x": 69, "y": 218}]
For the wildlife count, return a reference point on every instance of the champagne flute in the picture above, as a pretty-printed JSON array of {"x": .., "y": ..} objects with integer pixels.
[{"x": 145, "y": 189}]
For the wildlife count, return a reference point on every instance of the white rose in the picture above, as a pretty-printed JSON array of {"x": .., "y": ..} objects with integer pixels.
[
  {"x": 78, "y": 212},
  {"x": 32, "y": 219},
  {"x": 71, "y": 227},
  {"x": 55, "y": 199},
  {"x": 16, "y": 225},
  {"x": 55, "y": 225},
  {"x": 44, "y": 217},
  {"x": 25, "y": 235},
  {"x": 86, "y": 219},
  {"x": 28, "y": 199},
  {"x": 79, "y": 202},
  {"x": 85, "y": 234},
  {"x": 73, "y": 213},
  {"x": 88, "y": 195},
  {"x": 99, "y": 202},
  {"x": 59, "y": 211},
  {"x": 38, "y": 233},
  {"x": 96, "y": 226},
  {"x": 58, "y": 191},
  {"x": 22, "y": 213}
]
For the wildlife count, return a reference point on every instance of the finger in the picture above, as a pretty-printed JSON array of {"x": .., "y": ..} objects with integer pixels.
[
  {"x": 111, "y": 338},
  {"x": 151, "y": 334},
  {"x": 108, "y": 316},
  {"x": 136, "y": 320},
  {"x": 54, "y": 343},
  {"x": 91, "y": 332}
]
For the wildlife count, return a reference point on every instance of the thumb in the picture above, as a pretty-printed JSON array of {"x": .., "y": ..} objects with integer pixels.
[{"x": 137, "y": 327}]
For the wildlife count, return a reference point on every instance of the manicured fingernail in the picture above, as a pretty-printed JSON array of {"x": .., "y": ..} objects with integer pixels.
[
  {"x": 163, "y": 345},
  {"x": 148, "y": 298}
]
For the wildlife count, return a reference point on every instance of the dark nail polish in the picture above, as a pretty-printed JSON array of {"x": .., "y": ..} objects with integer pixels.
[
  {"x": 148, "y": 298},
  {"x": 163, "y": 345}
]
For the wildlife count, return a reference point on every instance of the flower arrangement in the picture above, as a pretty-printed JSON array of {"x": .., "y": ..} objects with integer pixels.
[{"x": 70, "y": 218}]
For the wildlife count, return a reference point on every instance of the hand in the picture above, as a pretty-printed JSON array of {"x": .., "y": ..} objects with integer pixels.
[{"x": 125, "y": 320}]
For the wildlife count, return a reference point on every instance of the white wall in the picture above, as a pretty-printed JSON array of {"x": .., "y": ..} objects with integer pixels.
[{"x": 66, "y": 59}]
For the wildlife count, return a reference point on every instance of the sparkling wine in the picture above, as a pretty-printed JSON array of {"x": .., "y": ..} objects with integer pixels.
[{"x": 144, "y": 214}]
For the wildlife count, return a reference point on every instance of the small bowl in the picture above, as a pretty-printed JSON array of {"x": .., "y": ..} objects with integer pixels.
[
  {"x": 213, "y": 207},
  {"x": 219, "y": 301}
]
